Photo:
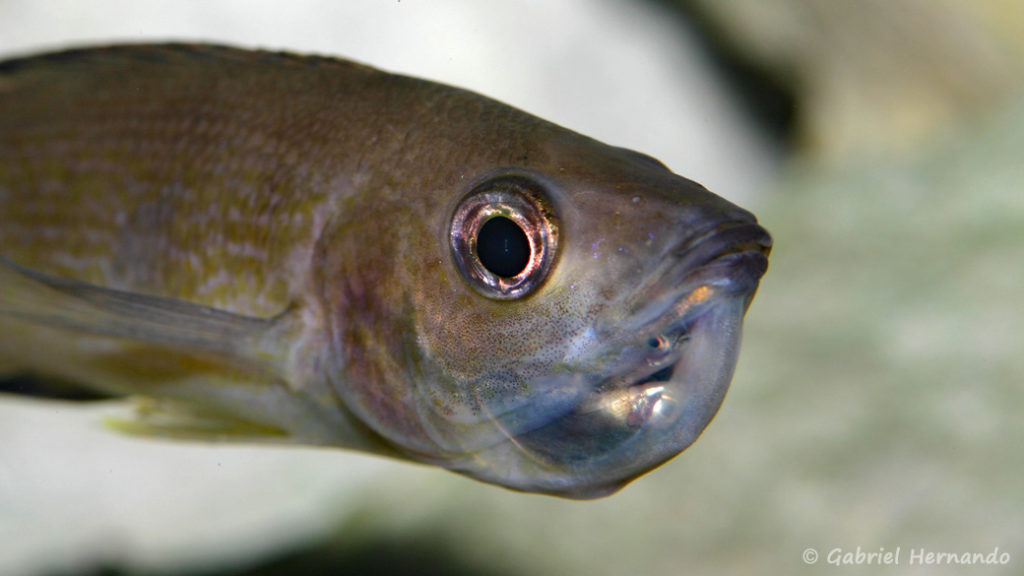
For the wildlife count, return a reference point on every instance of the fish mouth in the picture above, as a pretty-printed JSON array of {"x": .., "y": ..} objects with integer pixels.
[
  {"x": 671, "y": 373},
  {"x": 669, "y": 392},
  {"x": 729, "y": 258},
  {"x": 707, "y": 308}
]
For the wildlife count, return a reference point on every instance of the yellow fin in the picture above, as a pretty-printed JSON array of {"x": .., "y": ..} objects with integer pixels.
[{"x": 164, "y": 418}]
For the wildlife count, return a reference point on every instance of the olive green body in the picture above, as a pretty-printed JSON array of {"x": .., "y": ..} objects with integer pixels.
[{"x": 305, "y": 205}]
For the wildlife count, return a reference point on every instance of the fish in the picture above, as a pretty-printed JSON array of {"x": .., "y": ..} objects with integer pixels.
[{"x": 260, "y": 246}]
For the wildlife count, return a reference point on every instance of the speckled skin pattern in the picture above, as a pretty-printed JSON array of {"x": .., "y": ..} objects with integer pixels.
[
  {"x": 187, "y": 172},
  {"x": 319, "y": 193}
]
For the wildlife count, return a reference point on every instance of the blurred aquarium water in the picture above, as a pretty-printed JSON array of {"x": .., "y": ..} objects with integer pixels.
[
  {"x": 878, "y": 400},
  {"x": 874, "y": 75}
]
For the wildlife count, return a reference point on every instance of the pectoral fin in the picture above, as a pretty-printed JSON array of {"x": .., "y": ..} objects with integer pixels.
[
  {"x": 79, "y": 306},
  {"x": 200, "y": 372}
]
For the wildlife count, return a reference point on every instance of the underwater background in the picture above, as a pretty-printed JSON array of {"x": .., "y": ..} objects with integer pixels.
[{"x": 878, "y": 405}]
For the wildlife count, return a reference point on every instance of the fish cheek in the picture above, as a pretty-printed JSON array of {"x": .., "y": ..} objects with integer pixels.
[
  {"x": 472, "y": 338},
  {"x": 462, "y": 332},
  {"x": 414, "y": 349}
]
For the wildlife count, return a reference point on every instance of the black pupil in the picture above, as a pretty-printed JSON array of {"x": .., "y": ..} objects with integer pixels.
[{"x": 502, "y": 247}]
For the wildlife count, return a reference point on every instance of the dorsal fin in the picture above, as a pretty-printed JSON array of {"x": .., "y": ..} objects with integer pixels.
[{"x": 121, "y": 54}]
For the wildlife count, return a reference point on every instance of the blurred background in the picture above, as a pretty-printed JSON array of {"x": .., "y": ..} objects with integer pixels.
[{"x": 879, "y": 398}]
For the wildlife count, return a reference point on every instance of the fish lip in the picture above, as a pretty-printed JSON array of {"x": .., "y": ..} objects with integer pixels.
[
  {"x": 731, "y": 237},
  {"x": 722, "y": 262},
  {"x": 729, "y": 259}
]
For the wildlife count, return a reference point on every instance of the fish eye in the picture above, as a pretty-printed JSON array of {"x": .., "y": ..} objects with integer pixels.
[
  {"x": 502, "y": 247},
  {"x": 503, "y": 237}
]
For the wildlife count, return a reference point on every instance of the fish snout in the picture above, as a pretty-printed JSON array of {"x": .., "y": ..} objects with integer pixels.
[
  {"x": 732, "y": 254},
  {"x": 728, "y": 237}
]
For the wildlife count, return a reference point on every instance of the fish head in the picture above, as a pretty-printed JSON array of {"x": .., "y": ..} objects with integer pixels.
[{"x": 561, "y": 323}]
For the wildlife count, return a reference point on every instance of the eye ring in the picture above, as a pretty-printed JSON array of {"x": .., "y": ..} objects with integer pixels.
[{"x": 520, "y": 201}]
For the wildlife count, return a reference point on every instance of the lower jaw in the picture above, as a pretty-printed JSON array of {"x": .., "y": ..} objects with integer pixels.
[{"x": 622, "y": 433}]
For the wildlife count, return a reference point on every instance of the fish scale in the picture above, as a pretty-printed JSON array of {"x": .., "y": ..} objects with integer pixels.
[
  {"x": 267, "y": 247},
  {"x": 84, "y": 201}
]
